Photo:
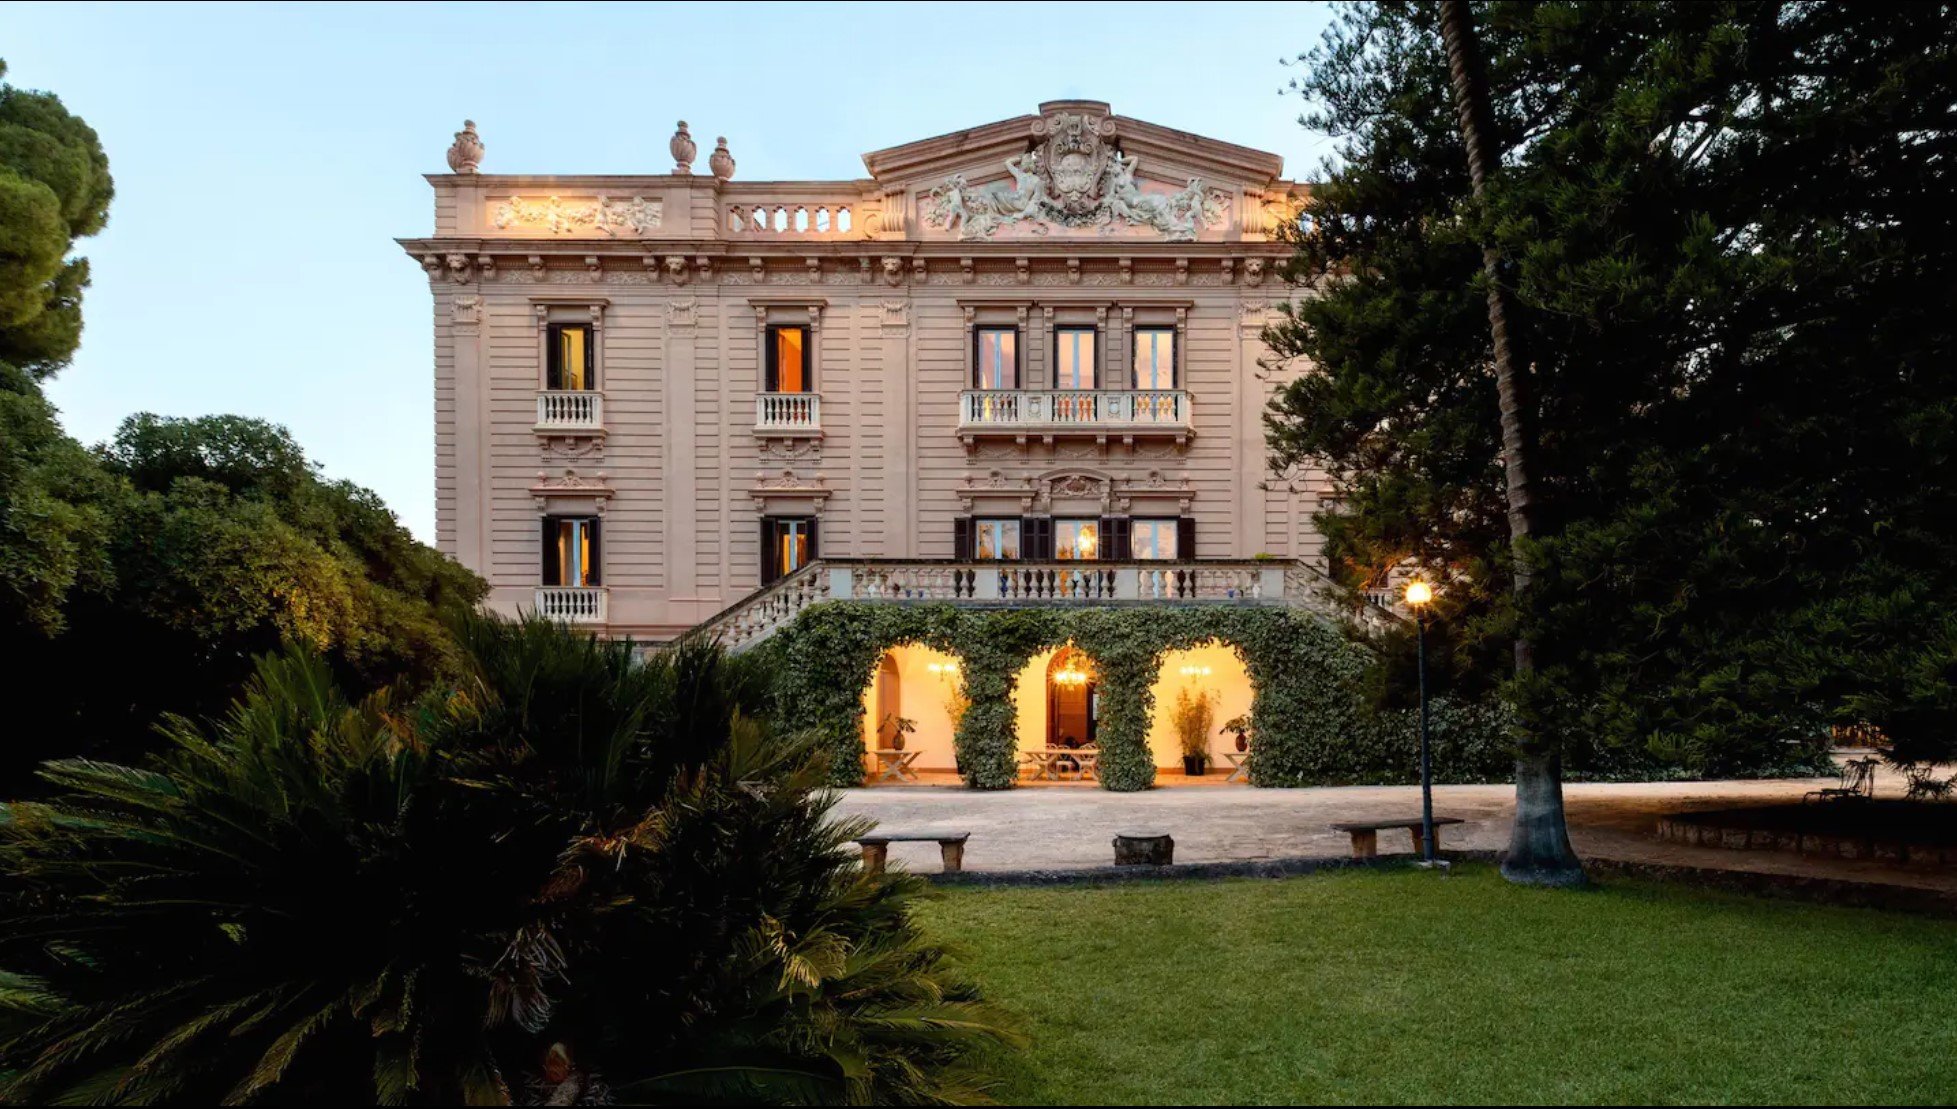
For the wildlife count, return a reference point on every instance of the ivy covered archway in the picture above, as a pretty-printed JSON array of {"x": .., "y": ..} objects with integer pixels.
[{"x": 1313, "y": 723}]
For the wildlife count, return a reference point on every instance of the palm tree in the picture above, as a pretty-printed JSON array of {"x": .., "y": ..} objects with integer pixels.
[
  {"x": 1539, "y": 851},
  {"x": 576, "y": 877}
]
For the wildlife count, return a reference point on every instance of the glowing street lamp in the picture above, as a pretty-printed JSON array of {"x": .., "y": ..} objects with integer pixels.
[{"x": 1419, "y": 596}]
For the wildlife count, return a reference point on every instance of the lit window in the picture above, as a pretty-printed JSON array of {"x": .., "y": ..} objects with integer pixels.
[
  {"x": 1074, "y": 358},
  {"x": 568, "y": 361},
  {"x": 1076, "y": 539},
  {"x": 996, "y": 358},
  {"x": 787, "y": 545},
  {"x": 570, "y": 553},
  {"x": 1155, "y": 358},
  {"x": 788, "y": 359},
  {"x": 1155, "y": 539},
  {"x": 996, "y": 539}
]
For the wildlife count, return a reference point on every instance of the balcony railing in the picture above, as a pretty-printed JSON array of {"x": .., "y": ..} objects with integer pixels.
[
  {"x": 1091, "y": 410},
  {"x": 788, "y": 413},
  {"x": 570, "y": 410},
  {"x": 572, "y": 604},
  {"x": 898, "y": 581}
]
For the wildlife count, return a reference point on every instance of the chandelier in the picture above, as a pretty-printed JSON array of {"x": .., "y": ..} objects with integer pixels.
[{"x": 1072, "y": 674}]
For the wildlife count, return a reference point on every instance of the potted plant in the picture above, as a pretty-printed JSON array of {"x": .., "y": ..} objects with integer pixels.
[
  {"x": 1239, "y": 726},
  {"x": 899, "y": 727},
  {"x": 1191, "y": 717}
]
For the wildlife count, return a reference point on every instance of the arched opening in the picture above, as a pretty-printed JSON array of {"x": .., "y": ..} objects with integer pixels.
[
  {"x": 1202, "y": 689},
  {"x": 911, "y": 708},
  {"x": 1057, "y": 709},
  {"x": 1073, "y": 700}
]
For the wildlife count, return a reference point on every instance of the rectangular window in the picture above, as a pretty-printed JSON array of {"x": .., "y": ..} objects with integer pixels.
[
  {"x": 788, "y": 359},
  {"x": 568, "y": 358},
  {"x": 1155, "y": 358},
  {"x": 1074, "y": 361},
  {"x": 1152, "y": 539},
  {"x": 787, "y": 545},
  {"x": 570, "y": 551},
  {"x": 1076, "y": 539},
  {"x": 996, "y": 539},
  {"x": 995, "y": 358}
]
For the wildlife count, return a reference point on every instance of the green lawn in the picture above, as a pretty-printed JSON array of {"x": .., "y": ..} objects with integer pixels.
[{"x": 1400, "y": 986}]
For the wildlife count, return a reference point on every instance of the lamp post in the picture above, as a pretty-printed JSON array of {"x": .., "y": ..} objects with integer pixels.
[{"x": 1419, "y": 595}]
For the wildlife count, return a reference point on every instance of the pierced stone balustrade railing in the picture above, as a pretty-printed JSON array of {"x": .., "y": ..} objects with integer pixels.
[
  {"x": 792, "y": 219},
  {"x": 1009, "y": 584},
  {"x": 570, "y": 409},
  {"x": 572, "y": 604},
  {"x": 1085, "y": 409},
  {"x": 788, "y": 412},
  {"x": 760, "y": 614}
]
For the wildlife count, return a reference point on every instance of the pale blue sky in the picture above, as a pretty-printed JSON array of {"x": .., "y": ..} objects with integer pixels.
[{"x": 266, "y": 156}]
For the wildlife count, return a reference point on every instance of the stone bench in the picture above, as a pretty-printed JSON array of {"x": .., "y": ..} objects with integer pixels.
[
  {"x": 1365, "y": 834},
  {"x": 876, "y": 848}
]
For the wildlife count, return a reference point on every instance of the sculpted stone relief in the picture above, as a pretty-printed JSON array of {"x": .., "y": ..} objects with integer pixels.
[
  {"x": 638, "y": 217},
  {"x": 1074, "y": 178}
]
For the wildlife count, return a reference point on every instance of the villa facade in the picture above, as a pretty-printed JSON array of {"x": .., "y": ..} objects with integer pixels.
[{"x": 1016, "y": 364}]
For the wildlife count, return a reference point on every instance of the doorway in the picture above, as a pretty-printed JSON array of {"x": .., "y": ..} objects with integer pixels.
[{"x": 1073, "y": 700}]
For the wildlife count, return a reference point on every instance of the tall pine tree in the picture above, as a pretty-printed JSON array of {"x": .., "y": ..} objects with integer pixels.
[{"x": 1724, "y": 232}]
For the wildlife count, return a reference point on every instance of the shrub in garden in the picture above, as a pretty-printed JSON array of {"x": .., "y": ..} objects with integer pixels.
[{"x": 572, "y": 878}]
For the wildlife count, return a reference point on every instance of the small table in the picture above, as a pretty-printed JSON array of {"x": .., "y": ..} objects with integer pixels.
[
  {"x": 1239, "y": 766},
  {"x": 895, "y": 766},
  {"x": 1049, "y": 763}
]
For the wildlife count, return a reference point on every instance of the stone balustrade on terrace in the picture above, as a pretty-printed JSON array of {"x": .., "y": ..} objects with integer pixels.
[{"x": 1019, "y": 584}]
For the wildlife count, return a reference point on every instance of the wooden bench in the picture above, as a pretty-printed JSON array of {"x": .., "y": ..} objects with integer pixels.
[
  {"x": 876, "y": 848},
  {"x": 1365, "y": 834}
]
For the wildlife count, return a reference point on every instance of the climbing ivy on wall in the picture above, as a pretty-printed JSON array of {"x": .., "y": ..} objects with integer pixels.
[{"x": 1313, "y": 725}]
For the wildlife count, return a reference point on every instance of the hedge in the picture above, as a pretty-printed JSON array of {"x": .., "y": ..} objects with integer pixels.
[{"x": 1313, "y": 726}]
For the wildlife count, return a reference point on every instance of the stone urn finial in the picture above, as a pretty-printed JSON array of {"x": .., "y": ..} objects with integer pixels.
[
  {"x": 683, "y": 149},
  {"x": 465, "y": 154},
  {"x": 721, "y": 161}
]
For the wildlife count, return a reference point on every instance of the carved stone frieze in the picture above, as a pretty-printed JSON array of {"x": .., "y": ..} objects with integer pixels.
[{"x": 637, "y": 217}]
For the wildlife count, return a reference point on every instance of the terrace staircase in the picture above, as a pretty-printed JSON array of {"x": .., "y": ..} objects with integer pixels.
[{"x": 755, "y": 618}]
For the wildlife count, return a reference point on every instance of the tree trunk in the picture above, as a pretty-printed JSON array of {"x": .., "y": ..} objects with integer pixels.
[{"x": 1539, "y": 845}]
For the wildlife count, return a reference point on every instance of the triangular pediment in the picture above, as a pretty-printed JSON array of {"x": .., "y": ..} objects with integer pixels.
[
  {"x": 981, "y": 149},
  {"x": 1075, "y": 169}
]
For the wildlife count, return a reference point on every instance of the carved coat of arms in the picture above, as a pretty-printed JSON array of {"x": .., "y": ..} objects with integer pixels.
[
  {"x": 1075, "y": 158},
  {"x": 1074, "y": 176}
]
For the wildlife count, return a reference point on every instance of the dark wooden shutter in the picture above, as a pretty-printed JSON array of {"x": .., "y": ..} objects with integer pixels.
[
  {"x": 1117, "y": 541},
  {"x": 961, "y": 539},
  {"x": 593, "y": 530},
  {"x": 553, "y": 357},
  {"x": 770, "y": 359},
  {"x": 550, "y": 571},
  {"x": 1186, "y": 537},
  {"x": 1036, "y": 538},
  {"x": 815, "y": 552},
  {"x": 591, "y": 374},
  {"x": 770, "y": 543}
]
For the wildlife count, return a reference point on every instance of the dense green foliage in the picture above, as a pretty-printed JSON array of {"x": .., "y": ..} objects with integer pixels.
[
  {"x": 576, "y": 877},
  {"x": 54, "y": 189},
  {"x": 1727, "y": 232},
  {"x": 143, "y": 577},
  {"x": 1315, "y": 724},
  {"x": 1398, "y": 988}
]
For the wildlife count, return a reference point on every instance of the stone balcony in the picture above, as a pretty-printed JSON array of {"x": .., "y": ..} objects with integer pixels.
[
  {"x": 565, "y": 411},
  {"x": 572, "y": 604},
  {"x": 1049, "y": 414},
  {"x": 788, "y": 415}
]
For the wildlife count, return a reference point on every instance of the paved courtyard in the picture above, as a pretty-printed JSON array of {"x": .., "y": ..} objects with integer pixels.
[{"x": 1069, "y": 825}]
